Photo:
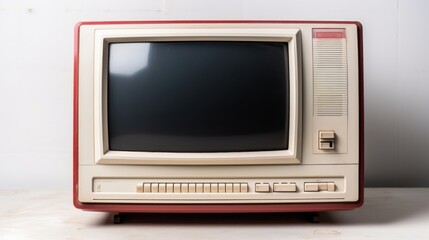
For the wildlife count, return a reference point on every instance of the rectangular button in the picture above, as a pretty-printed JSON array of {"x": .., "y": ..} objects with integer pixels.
[
  {"x": 161, "y": 187},
  {"x": 262, "y": 187},
  {"x": 139, "y": 187},
  {"x": 184, "y": 188},
  {"x": 207, "y": 187},
  {"x": 146, "y": 187},
  {"x": 236, "y": 187},
  {"x": 154, "y": 187},
  {"x": 326, "y": 145},
  {"x": 331, "y": 187},
  {"x": 170, "y": 188},
  {"x": 177, "y": 187},
  {"x": 228, "y": 187},
  {"x": 327, "y": 134},
  {"x": 284, "y": 187},
  {"x": 221, "y": 187},
  {"x": 244, "y": 187},
  {"x": 214, "y": 188},
  {"x": 311, "y": 187},
  {"x": 199, "y": 188},
  {"x": 191, "y": 187},
  {"x": 323, "y": 186}
]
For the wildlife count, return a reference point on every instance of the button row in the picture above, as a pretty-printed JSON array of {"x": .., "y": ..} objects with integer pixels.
[
  {"x": 192, "y": 187},
  {"x": 291, "y": 187},
  {"x": 319, "y": 186},
  {"x": 277, "y": 187}
]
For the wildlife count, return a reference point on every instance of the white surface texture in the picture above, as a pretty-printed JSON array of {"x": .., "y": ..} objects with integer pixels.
[
  {"x": 388, "y": 214},
  {"x": 36, "y": 64}
]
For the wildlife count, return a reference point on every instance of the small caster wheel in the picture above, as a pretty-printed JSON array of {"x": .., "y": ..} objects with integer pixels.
[
  {"x": 117, "y": 219},
  {"x": 314, "y": 218}
]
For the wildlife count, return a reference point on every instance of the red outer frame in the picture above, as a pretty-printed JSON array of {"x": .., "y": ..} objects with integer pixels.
[{"x": 215, "y": 208}]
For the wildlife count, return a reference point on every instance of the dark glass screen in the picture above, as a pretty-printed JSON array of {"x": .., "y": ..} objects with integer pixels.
[{"x": 198, "y": 96}]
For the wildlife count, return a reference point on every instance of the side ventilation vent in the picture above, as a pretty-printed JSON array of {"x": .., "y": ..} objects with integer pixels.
[{"x": 330, "y": 96}]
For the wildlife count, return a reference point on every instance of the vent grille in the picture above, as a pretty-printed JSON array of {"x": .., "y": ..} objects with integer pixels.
[{"x": 330, "y": 77}]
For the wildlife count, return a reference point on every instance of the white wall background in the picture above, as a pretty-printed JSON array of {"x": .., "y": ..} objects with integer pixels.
[{"x": 36, "y": 62}]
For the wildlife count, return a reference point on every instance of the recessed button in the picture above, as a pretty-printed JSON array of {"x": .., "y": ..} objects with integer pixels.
[
  {"x": 236, "y": 187},
  {"x": 319, "y": 186},
  {"x": 207, "y": 187},
  {"x": 327, "y": 134},
  {"x": 214, "y": 188},
  {"x": 146, "y": 187},
  {"x": 326, "y": 140},
  {"x": 311, "y": 187},
  {"x": 323, "y": 186},
  {"x": 191, "y": 187},
  {"x": 154, "y": 187},
  {"x": 139, "y": 187},
  {"x": 228, "y": 188},
  {"x": 221, "y": 187},
  {"x": 244, "y": 187},
  {"x": 331, "y": 187},
  {"x": 284, "y": 187},
  {"x": 184, "y": 188},
  {"x": 177, "y": 187},
  {"x": 262, "y": 187}
]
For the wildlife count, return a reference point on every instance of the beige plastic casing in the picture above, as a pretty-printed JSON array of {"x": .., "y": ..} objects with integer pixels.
[{"x": 116, "y": 173}]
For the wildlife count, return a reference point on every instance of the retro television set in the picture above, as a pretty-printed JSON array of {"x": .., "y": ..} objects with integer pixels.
[{"x": 218, "y": 116}]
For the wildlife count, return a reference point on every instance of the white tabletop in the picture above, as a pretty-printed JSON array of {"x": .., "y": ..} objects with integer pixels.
[{"x": 388, "y": 213}]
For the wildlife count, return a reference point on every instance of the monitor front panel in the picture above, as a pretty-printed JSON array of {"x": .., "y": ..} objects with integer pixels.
[{"x": 233, "y": 113}]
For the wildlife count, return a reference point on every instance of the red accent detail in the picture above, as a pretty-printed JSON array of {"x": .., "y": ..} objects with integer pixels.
[
  {"x": 361, "y": 115},
  {"x": 329, "y": 33},
  {"x": 210, "y": 21},
  {"x": 76, "y": 115},
  {"x": 215, "y": 208}
]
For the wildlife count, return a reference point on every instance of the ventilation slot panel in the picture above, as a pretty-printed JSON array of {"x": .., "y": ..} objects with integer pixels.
[{"x": 330, "y": 77}]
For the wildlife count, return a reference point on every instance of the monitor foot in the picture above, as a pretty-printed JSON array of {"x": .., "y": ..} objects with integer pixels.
[
  {"x": 314, "y": 217},
  {"x": 117, "y": 218}
]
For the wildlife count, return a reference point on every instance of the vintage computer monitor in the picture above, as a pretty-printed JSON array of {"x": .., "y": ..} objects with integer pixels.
[{"x": 218, "y": 116}]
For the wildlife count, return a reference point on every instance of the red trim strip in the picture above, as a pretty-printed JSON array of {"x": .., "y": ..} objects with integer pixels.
[
  {"x": 215, "y": 208},
  {"x": 211, "y": 21},
  {"x": 76, "y": 115},
  {"x": 329, "y": 33},
  {"x": 361, "y": 116}
]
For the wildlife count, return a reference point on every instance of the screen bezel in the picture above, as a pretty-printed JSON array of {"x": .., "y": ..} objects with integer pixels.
[{"x": 200, "y": 32}]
